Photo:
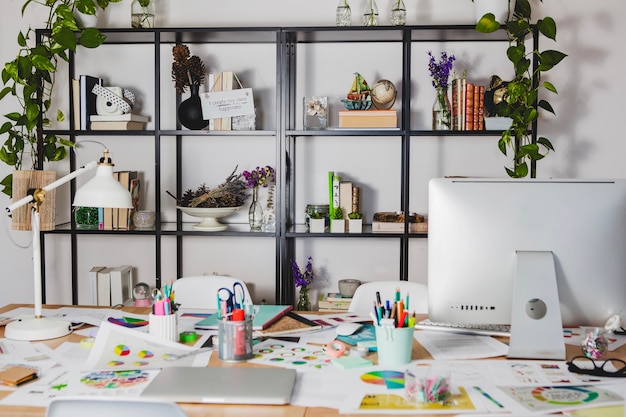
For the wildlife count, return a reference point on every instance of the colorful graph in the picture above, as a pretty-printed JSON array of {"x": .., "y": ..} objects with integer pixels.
[
  {"x": 114, "y": 379},
  {"x": 121, "y": 350},
  {"x": 564, "y": 395},
  {"x": 391, "y": 379},
  {"x": 145, "y": 354}
]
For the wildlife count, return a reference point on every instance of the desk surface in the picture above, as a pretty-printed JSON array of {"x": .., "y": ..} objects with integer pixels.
[{"x": 202, "y": 410}]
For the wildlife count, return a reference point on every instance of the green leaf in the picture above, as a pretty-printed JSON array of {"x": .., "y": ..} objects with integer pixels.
[
  {"x": 7, "y": 182},
  {"x": 550, "y": 58},
  {"x": 4, "y": 92},
  {"x": 549, "y": 86},
  {"x": 91, "y": 38},
  {"x": 43, "y": 63},
  {"x": 521, "y": 170},
  {"x": 15, "y": 116},
  {"x": 546, "y": 143},
  {"x": 60, "y": 116},
  {"x": 522, "y": 9},
  {"x": 5, "y": 128},
  {"x": 546, "y": 106},
  {"x": 21, "y": 40},
  {"x": 487, "y": 24},
  {"x": 86, "y": 6},
  {"x": 547, "y": 27},
  {"x": 66, "y": 38}
]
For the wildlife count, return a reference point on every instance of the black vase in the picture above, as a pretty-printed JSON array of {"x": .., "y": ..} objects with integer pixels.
[{"x": 190, "y": 111}]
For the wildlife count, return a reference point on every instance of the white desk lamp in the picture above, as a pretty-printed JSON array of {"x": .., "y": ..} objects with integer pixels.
[{"x": 103, "y": 190}]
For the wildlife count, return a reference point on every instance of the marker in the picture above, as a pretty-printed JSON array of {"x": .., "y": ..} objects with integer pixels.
[{"x": 489, "y": 397}]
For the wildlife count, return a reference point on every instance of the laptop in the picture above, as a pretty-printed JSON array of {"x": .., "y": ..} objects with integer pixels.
[{"x": 214, "y": 385}]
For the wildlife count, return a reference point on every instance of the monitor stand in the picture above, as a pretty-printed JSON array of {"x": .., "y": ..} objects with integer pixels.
[{"x": 536, "y": 326}]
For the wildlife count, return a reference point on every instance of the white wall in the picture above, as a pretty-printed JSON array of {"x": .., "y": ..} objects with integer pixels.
[{"x": 585, "y": 133}]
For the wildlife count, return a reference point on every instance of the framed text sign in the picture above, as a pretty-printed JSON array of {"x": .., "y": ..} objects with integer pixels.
[{"x": 231, "y": 103}]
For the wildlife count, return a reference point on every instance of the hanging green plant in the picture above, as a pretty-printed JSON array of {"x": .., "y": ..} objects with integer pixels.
[{"x": 30, "y": 79}]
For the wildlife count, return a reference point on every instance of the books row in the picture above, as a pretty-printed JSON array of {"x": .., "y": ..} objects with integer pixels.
[
  {"x": 222, "y": 81},
  {"x": 121, "y": 218},
  {"x": 333, "y": 302},
  {"x": 110, "y": 286},
  {"x": 86, "y": 117},
  {"x": 468, "y": 105}
]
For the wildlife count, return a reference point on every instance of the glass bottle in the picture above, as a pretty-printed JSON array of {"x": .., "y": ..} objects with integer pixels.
[
  {"x": 255, "y": 214},
  {"x": 142, "y": 14},
  {"x": 370, "y": 14},
  {"x": 344, "y": 14},
  {"x": 398, "y": 13},
  {"x": 304, "y": 303},
  {"x": 269, "y": 214},
  {"x": 442, "y": 114}
]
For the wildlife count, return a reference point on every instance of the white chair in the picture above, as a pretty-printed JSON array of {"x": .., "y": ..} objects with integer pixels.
[
  {"x": 200, "y": 291},
  {"x": 107, "y": 407},
  {"x": 363, "y": 299}
]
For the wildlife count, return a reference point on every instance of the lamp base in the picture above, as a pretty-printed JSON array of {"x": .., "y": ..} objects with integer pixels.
[{"x": 33, "y": 328}]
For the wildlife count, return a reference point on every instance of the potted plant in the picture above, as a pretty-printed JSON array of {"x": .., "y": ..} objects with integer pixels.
[
  {"x": 355, "y": 222},
  {"x": 29, "y": 80},
  {"x": 521, "y": 101},
  {"x": 317, "y": 223},
  {"x": 337, "y": 222}
]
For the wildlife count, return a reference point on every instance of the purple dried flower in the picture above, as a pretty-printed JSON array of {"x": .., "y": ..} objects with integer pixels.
[
  {"x": 302, "y": 278},
  {"x": 260, "y": 177},
  {"x": 440, "y": 71}
]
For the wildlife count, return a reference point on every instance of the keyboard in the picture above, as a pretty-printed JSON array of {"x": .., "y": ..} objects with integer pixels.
[{"x": 476, "y": 329}]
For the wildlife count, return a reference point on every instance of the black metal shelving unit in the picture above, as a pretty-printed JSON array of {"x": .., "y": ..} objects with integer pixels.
[{"x": 286, "y": 41}]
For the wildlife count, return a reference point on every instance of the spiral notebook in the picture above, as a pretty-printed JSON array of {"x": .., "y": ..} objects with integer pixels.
[{"x": 265, "y": 315}]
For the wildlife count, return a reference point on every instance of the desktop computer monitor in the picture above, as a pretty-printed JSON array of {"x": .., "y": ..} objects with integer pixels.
[{"x": 479, "y": 227}]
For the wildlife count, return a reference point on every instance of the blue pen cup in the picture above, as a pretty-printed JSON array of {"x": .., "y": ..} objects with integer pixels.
[{"x": 394, "y": 345}]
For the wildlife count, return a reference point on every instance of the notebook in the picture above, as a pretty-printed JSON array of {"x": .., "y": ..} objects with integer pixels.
[
  {"x": 265, "y": 315},
  {"x": 214, "y": 385}
]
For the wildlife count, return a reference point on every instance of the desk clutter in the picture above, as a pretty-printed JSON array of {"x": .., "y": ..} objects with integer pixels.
[{"x": 123, "y": 358}]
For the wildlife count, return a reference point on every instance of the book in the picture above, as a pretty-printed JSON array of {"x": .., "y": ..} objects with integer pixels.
[
  {"x": 481, "y": 108},
  {"x": 345, "y": 197},
  {"x": 120, "y": 219},
  {"x": 368, "y": 119},
  {"x": 291, "y": 322},
  {"x": 17, "y": 375},
  {"x": 93, "y": 284},
  {"x": 217, "y": 86},
  {"x": 128, "y": 117},
  {"x": 104, "y": 287},
  {"x": 227, "y": 85},
  {"x": 76, "y": 102},
  {"x": 87, "y": 99},
  {"x": 135, "y": 188},
  {"x": 121, "y": 282},
  {"x": 469, "y": 106},
  {"x": 211, "y": 86},
  {"x": 264, "y": 317},
  {"x": 336, "y": 296},
  {"x": 120, "y": 125}
]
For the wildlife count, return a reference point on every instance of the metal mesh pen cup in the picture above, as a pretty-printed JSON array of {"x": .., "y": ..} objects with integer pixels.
[{"x": 235, "y": 340}]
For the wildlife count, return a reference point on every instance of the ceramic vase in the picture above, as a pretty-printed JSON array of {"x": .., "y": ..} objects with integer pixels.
[{"x": 190, "y": 110}]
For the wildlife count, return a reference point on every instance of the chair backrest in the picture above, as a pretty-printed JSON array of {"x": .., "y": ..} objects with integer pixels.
[
  {"x": 363, "y": 299},
  {"x": 107, "y": 407},
  {"x": 200, "y": 291}
]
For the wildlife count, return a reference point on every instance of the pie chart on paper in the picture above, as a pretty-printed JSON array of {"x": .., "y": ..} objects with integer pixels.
[{"x": 391, "y": 379}]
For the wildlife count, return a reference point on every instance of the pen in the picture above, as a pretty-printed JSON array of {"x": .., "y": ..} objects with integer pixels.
[{"x": 489, "y": 397}]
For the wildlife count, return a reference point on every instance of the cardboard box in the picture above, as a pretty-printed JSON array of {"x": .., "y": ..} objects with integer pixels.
[{"x": 359, "y": 119}]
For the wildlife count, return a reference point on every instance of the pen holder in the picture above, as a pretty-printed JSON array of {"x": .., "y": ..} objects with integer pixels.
[
  {"x": 394, "y": 345},
  {"x": 235, "y": 340},
  {"x": 164, "y": 326}
]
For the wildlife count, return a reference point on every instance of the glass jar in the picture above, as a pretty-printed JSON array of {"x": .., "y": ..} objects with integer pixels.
[
  {"x": 370, "y": 14},
  {"x": 86, "y": 218},
  {"x": 398, "y": 13},
  {"x": 344, "y": 14},
  {"x": 142, "y": 14},
  {"x": 317, "y": 211}
]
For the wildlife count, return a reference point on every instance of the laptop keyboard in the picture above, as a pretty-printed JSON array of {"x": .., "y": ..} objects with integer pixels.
[{"x": 477, "y": 329}]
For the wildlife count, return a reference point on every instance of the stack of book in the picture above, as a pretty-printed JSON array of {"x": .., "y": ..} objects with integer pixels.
[
  {"x": 468, "y": 105},
  {"x": 222, "y": 81},
  {"x": 126, "y": 121},
  {"x": 122, "y": 218},
  {"x": 110, "y": 286},
  {"x": 367, "y": 119},
  {"x": 333, "y": 301}
]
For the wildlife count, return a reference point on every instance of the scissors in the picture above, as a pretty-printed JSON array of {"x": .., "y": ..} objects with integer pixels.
[{"x": 233, "y": 299}]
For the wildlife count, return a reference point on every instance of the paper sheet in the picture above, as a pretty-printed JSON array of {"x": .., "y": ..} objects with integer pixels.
[{"x": 446, "y": 346}]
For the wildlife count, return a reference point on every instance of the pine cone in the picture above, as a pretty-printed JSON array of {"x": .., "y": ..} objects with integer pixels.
[
  {"x": 196, "y": 69},
  {"x": 181, "y": 53}
]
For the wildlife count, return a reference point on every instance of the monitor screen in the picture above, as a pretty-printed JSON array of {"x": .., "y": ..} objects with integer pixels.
[{"x": 476, "y": 227}]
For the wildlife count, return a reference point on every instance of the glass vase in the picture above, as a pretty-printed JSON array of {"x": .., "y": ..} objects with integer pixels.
[
  {"x": 442, "y": 113},
  {"x": 344, "y": 14},
  {"x": 304, "y": 303},
  {"x": 255, "y": 214},
  {"x": 269, "y": 214},
  {"x": 86, "y": 218},
  {"x": 142, "y": 14},
  {"x": 370, "y": 14},
  {"x": 398, "y": 13}
]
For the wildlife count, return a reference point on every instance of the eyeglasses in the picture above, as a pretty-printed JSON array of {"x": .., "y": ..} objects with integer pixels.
[{"x": 615, "y": 368}]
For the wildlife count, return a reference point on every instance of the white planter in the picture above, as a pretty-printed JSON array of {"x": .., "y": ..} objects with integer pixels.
[
  {"x": 317, "y": 225},
  {"x": 499, "y": 8},
  {"x": 337, "y": 226},
  {"x": 355, "y": 225}
]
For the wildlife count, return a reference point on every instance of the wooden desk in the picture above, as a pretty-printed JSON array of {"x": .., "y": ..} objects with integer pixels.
[{"x": 205, "y": 410}]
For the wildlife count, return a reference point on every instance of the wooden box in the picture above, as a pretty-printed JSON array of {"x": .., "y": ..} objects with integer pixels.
[{"x": 360, "y": 119}]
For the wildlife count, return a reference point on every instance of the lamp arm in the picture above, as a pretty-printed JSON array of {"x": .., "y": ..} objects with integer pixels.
[{"x": 29, "y": 198}]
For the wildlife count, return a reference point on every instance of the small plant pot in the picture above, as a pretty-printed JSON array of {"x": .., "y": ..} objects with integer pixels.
[
  {"x": 355, "y": 225},
  {"x": 337, "y": 226},
  {"x": 317, "y": 225}
]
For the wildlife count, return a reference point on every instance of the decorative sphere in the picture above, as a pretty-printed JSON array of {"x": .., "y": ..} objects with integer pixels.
[{"x": 384, "y": 94}]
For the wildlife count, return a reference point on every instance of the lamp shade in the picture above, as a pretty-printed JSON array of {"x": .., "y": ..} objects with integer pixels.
[{"x": 103, "y": 190}]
